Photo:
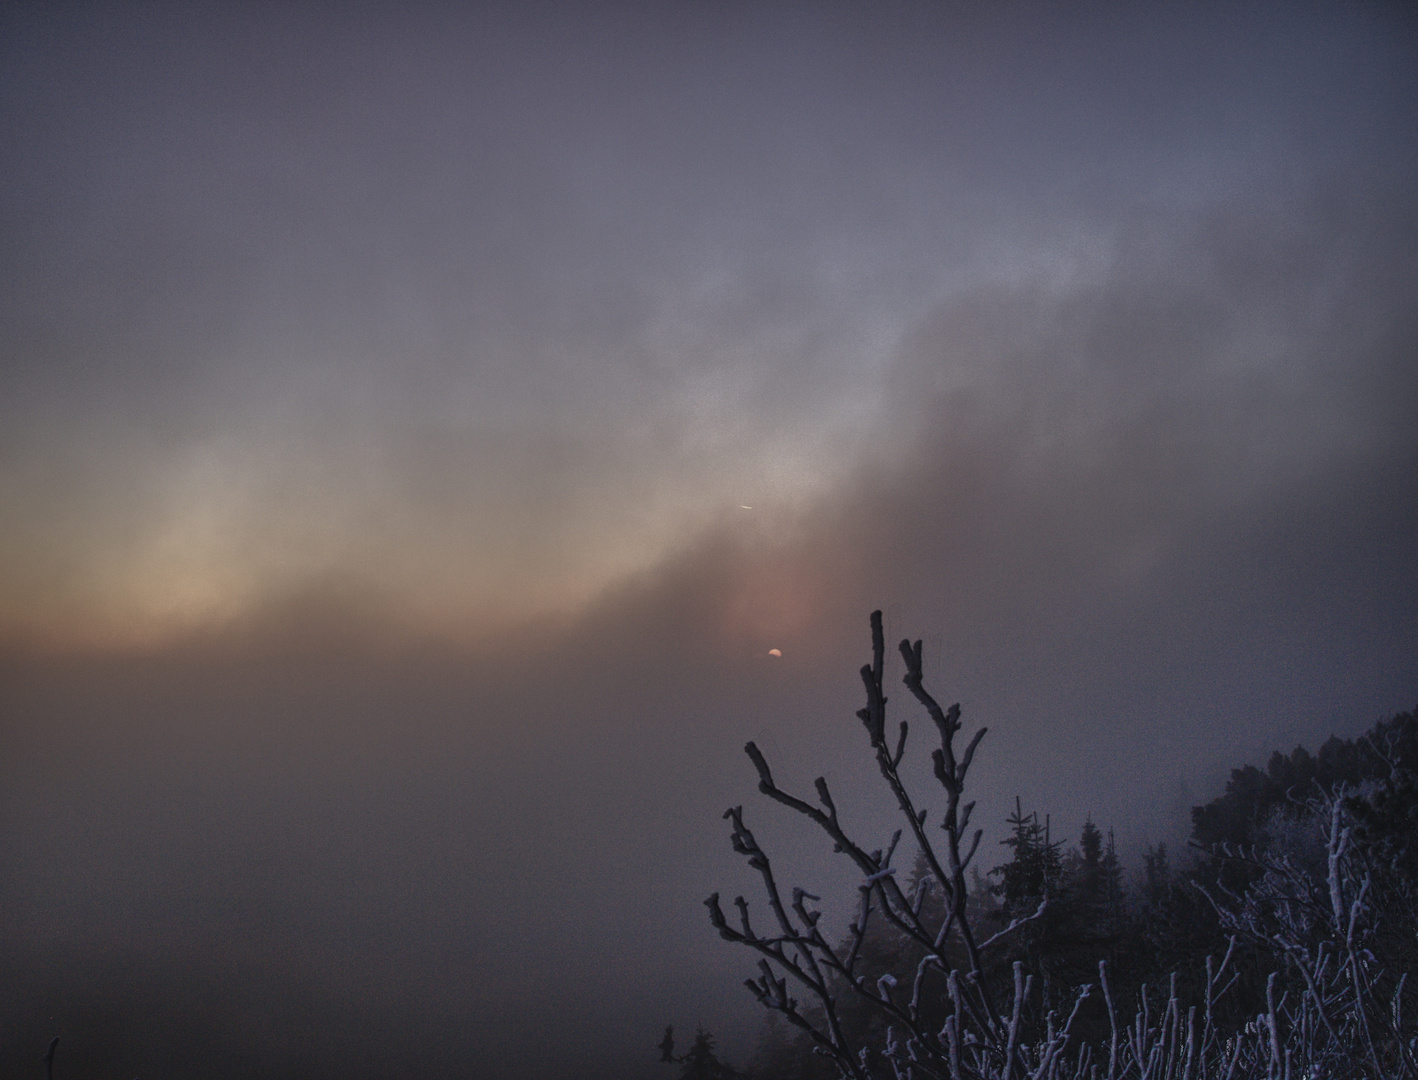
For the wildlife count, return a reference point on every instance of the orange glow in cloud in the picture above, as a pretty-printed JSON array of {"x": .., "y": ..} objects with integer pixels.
[
  {"x": 435, "y": 534},
  {"x": 774, "y": 598}
]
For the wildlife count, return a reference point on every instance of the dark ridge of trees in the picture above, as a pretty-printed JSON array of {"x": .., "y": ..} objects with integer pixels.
[
  {"x": 1246, "y": 811},
  {"x": 1275, "y": 944}
]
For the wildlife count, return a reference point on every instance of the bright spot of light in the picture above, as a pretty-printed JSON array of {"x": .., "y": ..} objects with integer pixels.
[{"x": 775, "y": 652}]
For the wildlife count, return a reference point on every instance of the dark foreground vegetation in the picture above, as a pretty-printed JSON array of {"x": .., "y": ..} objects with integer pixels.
[{"x": 1279, "y": 946}]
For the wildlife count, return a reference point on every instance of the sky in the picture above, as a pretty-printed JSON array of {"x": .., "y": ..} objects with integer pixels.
[{"x": 418, "y": 423}]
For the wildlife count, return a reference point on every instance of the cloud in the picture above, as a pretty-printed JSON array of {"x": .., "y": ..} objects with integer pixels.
[{"x": 379, "y": 626}]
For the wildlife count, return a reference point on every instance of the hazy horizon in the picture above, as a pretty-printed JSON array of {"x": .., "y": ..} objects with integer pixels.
[{"x": 418, "y": 425}]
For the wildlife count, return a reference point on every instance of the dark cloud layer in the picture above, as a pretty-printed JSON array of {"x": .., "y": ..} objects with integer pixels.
[{"x": 1083, "y": 343}]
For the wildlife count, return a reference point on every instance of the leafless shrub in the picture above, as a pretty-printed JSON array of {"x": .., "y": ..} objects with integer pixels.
[
  {"x": 954, "y": 1014},
  {"x": 1344, "y": 1015}
]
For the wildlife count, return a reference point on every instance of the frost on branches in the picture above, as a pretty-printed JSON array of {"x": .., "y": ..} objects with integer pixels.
[{"x": 945, "y": 1002}]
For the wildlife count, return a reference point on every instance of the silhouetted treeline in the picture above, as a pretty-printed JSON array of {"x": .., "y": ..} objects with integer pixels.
[{"x": 1156, "y": 924}]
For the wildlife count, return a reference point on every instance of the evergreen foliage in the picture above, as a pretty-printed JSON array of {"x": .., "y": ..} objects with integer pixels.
[
  {"x": 699, "y": 1062},
  {"x": 1385, "y": 756},
  {"x": 1288, "y": 924}
]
